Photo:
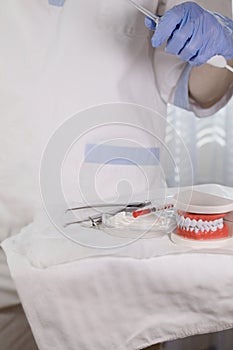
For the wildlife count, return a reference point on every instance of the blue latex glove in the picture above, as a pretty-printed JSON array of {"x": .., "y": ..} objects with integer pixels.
[{"x": 193, "y": 33}]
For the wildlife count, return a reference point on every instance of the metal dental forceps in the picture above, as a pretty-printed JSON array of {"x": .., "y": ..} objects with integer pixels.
[
  {"x": 146, "y": 12},
  {"x": 96, "y": 219}
]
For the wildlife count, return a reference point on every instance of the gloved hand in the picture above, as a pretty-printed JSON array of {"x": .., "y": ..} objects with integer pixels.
[{"x": 193, "y": 33}]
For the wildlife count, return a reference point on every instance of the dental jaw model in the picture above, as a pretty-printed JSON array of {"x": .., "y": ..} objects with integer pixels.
[
  {"x": 202, "y": 216},
  {"x": 197, "y": 226}
]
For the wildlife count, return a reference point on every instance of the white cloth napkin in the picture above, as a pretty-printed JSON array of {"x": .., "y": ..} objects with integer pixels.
[{"x": 123, "y": 298}]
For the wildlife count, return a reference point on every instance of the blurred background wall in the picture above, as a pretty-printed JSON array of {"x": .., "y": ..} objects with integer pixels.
[{"x": 209, "y": 142}]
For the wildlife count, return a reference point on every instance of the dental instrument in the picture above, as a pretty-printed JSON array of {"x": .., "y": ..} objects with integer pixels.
[
  {"x": 122, "y": 213},
  {"x": 146, "y": 12},
  {"x": 98, "y": 205},
  {"x": 138, "y": 213},
  {"x": 96, "y": 219}
]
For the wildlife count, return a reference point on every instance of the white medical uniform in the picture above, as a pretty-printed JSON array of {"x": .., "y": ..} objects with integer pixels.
[{"x": 57, "y": 59}]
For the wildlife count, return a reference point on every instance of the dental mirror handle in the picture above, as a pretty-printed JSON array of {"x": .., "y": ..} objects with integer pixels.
[{"x": 220, "y": 62}]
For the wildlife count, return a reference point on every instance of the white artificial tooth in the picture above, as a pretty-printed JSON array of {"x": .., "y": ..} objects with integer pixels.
[
  {"x": 200, "y": 223},
  {"x": 187, "y": 221},
  {"x": 182, "y": 221},
  {"x": 196, "y": 230},
  {"x": 213, "y": 228},
  {"x": 202, "y": 229},
  {"x": 220, "y": 225},
  {"x": 207, "y": 223},
  {"x": 193, "y": 223},
  {"x": 191, "y": 229}
]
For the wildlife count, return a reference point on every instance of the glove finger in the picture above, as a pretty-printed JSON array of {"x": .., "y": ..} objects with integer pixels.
[
  {"x": 201, "y": 57},
  {"x": 196, "y": 52},
  {"x": 149, "y": 23},
  {"x": 190, "y": 53},
  {"x": 168, "y": 23},
  {"x": 180, "y": 39}
]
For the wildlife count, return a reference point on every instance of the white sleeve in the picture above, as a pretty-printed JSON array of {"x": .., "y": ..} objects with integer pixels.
[
  {"x": 172, "y": 74},
  {"x": 181, "y": 97}
]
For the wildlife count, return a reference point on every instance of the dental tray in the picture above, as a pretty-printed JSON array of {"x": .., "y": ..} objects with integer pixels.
[
  {"x": 154, "y": 224},
  {"x": 142, "y": 219},
  {"x": 202, "y": 219}
]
